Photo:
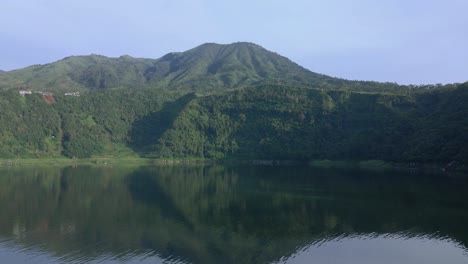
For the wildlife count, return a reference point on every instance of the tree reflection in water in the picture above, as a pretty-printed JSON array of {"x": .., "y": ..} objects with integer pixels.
[{"x": 228, "y": 214}]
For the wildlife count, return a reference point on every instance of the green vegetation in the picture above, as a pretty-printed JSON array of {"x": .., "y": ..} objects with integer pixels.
[
  {"x": 75, "y": 127},
  {"x": 279, "y": 122},
  {"x": 235, "y": 101},
  {"x": 263, "y": 122}
]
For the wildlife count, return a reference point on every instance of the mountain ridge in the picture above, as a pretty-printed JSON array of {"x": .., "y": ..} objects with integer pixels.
[{"x": 207, "y": 67}]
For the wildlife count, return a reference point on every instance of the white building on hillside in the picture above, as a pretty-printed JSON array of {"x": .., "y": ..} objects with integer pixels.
[{"x": 24, "y": 92}]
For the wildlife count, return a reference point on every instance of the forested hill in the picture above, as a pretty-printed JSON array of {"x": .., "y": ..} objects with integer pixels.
[
  {"x": 208, "y": 67},
  {"x": 261, "y": 122}
]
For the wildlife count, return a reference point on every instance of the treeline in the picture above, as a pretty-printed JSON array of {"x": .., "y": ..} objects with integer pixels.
[{"x": 261, "y": 122}]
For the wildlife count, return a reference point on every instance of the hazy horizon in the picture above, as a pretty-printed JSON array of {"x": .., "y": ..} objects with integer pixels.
[{"x": 417, "y": 42}]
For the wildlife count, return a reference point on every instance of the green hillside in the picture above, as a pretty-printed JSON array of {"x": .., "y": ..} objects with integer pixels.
[
  {"x": 279, "y": 122},
  {"x": 79, "y": 73},
  {"x": 208, "y": 67},
  {"x": 262, "y": 122},
  {"x": 74, "y": 126}
]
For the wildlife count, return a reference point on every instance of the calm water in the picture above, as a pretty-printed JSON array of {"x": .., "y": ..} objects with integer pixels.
[{"x": 216, "y": 214}]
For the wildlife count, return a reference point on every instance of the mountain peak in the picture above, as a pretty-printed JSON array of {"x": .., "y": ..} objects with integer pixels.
[
  {"x": 245, "y": 43},
  {"x": 238, "y": 44},
  {"x": 234, "y": 45},
  {"x": 126, "y": 57}
]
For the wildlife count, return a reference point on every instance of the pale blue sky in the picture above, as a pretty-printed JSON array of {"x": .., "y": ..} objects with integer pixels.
[{"x": 404, "y": 41}]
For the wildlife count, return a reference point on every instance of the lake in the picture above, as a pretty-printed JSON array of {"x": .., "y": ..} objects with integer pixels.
[{"x": 231, "y": 214}]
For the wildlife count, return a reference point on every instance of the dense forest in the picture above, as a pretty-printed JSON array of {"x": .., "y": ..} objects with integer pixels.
[
  {"x": 263, "y": 122},
  {"x": 235, "y": 101}
]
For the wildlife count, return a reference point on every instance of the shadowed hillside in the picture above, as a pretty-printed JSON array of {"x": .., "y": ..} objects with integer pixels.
[
  {"x": 261, "y": 122},
  {"x": 280, "y": 122}
]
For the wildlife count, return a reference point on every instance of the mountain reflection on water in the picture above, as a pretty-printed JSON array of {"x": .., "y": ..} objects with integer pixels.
[{"x": 230, "y": 214}]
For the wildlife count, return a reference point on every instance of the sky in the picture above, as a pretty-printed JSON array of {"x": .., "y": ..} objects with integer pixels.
[{"x": 403, "y": 41}]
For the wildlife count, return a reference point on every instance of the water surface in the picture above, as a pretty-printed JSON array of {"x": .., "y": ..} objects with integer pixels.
[{"x": 230, "y": 214}]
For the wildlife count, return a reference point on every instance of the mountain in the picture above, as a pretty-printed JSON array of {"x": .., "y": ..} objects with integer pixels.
[
  {"x": 207, "y": 67},
  {"x": 213, "y": 66},
  {"x": 204, "y": 67},
  {"x": 237, "y": 101}
]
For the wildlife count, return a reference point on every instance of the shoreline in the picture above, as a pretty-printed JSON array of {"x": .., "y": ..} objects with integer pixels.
[{"x": 363, "y": 164}]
